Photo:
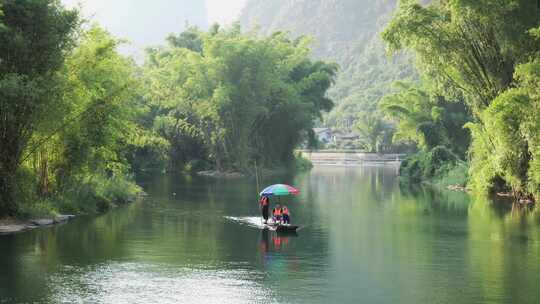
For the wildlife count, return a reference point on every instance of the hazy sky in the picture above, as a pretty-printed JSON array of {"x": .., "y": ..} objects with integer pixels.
[
  {"x": 148, "y": 22},
  {"x": 224, "y": 11}
]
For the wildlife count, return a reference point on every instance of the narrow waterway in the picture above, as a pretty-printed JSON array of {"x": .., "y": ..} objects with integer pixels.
[{"x": 364, "y": 239}]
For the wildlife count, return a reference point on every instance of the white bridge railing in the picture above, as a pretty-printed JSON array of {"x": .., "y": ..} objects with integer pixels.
[{"x": 349, "y": 157}]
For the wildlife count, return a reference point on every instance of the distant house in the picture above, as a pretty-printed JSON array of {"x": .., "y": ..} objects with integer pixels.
[
  {"x": 345, "y": 139},
  {"x": 324, "y": 135}
]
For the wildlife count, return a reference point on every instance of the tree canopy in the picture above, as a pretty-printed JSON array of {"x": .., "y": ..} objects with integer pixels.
[
  {"x": 35, "y": 36},
  {"x": 236, "y": 97},
  {"x": 467, "y": 48},
  {"x": 78, "y": 118},
  {"x": 485, "y": 54}
]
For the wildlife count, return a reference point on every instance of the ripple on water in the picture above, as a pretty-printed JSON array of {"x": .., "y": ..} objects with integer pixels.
[
  {"x": 137, "y": 283},
  {"x": 251, "y": 221}
]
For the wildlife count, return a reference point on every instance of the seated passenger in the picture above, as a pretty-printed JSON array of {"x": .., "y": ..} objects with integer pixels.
[
  {"x": 277, "y": 214},
  {"x": 286, "y": 215}
]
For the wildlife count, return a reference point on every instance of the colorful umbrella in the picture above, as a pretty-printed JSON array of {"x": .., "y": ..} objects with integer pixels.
[{"x": 279, "y": 190}]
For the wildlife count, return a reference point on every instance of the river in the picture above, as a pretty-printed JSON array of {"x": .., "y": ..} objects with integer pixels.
[{"x": 364, "y": 239}]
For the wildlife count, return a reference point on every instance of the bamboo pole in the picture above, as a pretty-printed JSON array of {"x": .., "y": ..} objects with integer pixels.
[
  {"x": 257, "y": 182},
  {"x": 257, "y": 178}
]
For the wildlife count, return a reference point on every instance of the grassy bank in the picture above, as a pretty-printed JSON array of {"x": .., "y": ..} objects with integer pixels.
[
  {"x": 439, "y": 167},
  {"x": 88, "y": 195},
  {"x": 297, "y": 165}
]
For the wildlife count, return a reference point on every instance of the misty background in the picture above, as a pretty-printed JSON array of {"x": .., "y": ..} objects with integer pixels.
[
  {"x": 146, "y": 23},
  {"x": 349, "y": 37}
]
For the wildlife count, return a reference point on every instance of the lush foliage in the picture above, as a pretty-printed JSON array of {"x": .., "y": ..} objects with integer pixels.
[
  {"x": 34, "y": 38},
  {"x": 466, "y": 47},
  {"x": 77, "y": 118},
  {"x": 426, "y": 120},
  {"x": 376, "y": 133},
  {"x": 485, "y": 53},
  {"x": 436, "y": 127},
  {"x": 438, "y": 165},
  {"x": 506, "y": 147},
  {"x": 231, "y": 99},
  {"x": 69, "y": 110},
  {"x": 79, "y": 154},
  {"x": 350, "y": 36}
]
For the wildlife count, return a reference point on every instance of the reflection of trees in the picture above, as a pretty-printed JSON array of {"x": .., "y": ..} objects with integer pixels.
[
  {"x": 433, "y": 200},
  {"x": 32, "y": 256},
  {"x": 361, "y": 227},
  {"x": 502, "y": 239},
  {"x": 16, "y": 278},
  {"x": 504, "y": 246},
  {"x": 415, "y": 238}
]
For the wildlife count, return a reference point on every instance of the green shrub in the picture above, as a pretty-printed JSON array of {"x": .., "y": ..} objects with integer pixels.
[
  {"x": 197, "y": 165},
  {"x": 120, "y": 190},
  {"x": 412, "y": 169},
  {"x": 440, "y": 165},
  {"x": 453, "y": 174},
  {"x": 41, "y": 209},
  {"x": 26, "y": 189},
  {"x": 302, "y": 164},
  {"x": 93, "y": 194}
]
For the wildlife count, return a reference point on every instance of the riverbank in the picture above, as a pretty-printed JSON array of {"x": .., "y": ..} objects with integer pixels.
[
  {"x": 178, "y": 242},
  {"x": 219, "y": 174},
  {"x": 12, "y": 226},
  {"x": 261, "y": 172},
  {"x": 53, "y": 215},
  {"x": 299, "y": 164}
]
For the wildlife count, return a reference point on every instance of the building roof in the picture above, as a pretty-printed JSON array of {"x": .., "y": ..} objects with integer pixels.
[
  {"x": 348, "y": 136},
  {"x": 321, "y": 130}
]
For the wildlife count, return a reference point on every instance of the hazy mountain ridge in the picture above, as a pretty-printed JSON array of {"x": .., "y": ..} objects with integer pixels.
[
  {"x": 337, "y": 25},
  {"x": 347, "y": 32}
]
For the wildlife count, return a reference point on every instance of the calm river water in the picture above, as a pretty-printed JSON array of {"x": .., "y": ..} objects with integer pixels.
[{"x": 364, "y": 240}]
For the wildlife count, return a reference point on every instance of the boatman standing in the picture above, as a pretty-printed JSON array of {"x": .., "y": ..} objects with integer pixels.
[{"x": 265, "y": 205}]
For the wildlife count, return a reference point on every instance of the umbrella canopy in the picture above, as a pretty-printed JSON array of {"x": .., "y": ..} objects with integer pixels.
[{"x": 279, "y": 190}]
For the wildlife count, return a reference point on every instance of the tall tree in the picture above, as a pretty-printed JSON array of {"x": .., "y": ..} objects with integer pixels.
[
  {"x": 507, "y": 141},
  {"x": 483, "y": 52},
  {"x": 467, "y": 47},
  {"x": 426, "y": 119},
  {"x": 235, "y": 93},
  {"x": 99, "y": 91},
  {"x": 34, "y": 39}
]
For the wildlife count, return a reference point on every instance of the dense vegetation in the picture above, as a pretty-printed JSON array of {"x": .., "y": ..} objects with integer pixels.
[
  {"x": 34, "y": 39},
  {"x": 486, "y": 55},
  {"x": 232, "y": 99},
  {"x": 469, "y": 102},
  {"x": 436, "y": 126},
  {"x": 350, "y": 37},
  {"x": 77, "y": 118}
]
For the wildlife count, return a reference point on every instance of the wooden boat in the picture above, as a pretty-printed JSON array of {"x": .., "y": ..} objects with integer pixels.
[
  {"x": 281, "y": 228},
  {"x": 286, "y": 228}
]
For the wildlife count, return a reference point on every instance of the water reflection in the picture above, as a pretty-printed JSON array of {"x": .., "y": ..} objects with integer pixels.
[
  {"x": 272, "y": 241},
  {"x": 142, "y": 283},
  {"x": 365, "y": 238}
]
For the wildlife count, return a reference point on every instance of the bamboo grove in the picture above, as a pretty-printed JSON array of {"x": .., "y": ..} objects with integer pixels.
[
  {"x": 480, "y": 67},
  {"x": 78, "y": 119}
]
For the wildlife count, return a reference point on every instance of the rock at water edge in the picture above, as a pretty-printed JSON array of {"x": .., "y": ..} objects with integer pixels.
[{"x": 42, "y": 222}]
